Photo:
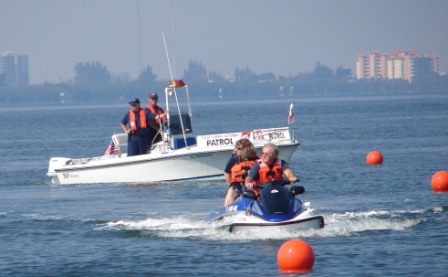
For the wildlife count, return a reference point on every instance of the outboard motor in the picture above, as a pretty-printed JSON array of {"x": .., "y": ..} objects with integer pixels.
[{"x": 275, "y": 199}]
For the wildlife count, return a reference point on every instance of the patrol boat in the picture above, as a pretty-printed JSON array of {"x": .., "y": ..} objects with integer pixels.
[{"x": 179, "y": 156}]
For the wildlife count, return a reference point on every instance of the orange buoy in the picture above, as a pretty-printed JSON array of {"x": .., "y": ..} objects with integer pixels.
[
  {"x": 374, "y": 157},
  {"x": 439, "y": 181},
  {"x": 295, "y": 256}
]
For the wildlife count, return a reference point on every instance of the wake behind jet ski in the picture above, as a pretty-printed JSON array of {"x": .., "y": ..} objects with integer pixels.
[{"x": 275, "y": 207}]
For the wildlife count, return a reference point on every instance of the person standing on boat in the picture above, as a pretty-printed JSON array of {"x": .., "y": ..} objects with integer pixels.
[
  {"x": 269, "y": 167},
  {"x": 134, "y": 123},
  {"x": 241, "y": 161},
  {"x": 154, "y": 132}
]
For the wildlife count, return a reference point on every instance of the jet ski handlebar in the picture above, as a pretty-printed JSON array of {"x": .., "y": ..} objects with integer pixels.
[
  {"x": 282, "y": 182},
  {"x": 293, "y": 190}
]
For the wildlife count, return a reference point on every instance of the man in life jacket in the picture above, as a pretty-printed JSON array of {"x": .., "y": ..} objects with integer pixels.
[
  {"x": 135, "y": 124},
  {"x": 269, "y": 167},
  {"x": 154, "y": 132},
  {"x": 241, "y": 161}
]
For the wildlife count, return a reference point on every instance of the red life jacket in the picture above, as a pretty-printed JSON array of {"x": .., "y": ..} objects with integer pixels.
[
  {"x": 267, "y": 173},
  {"x": 133, "y": 123},
  {"x": 154, "y": 109},
  {"x": 239, "y": 170}
]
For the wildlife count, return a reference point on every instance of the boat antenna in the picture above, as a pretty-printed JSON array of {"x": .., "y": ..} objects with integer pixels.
[
  {"x": 175, "y": 92},
  {"x": 168, "y": 58}
]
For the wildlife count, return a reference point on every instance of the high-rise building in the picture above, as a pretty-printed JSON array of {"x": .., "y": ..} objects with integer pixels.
[
  {"x": 401, "y": 64},
  {"x": 14, "y": 68}
]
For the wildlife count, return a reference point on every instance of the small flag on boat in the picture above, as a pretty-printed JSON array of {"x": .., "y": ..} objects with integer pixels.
[
  {"x": 291, "y": 117},
  {"x": 111, "y": 148}
]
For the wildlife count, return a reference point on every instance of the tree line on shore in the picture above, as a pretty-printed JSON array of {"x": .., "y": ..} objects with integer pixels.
[{"x": 94, "y": 84}]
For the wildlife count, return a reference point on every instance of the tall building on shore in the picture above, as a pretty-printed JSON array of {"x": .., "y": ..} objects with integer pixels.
[
  {"x": 401, "y": 64},
  {"x": 14, "y": 68}
]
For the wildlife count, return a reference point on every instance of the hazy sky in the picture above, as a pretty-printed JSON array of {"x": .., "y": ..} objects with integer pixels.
[{"x": 280, "y": 36}]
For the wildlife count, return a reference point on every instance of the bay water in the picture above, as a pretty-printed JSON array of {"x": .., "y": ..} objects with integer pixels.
[{"x": 381, "y": 220}]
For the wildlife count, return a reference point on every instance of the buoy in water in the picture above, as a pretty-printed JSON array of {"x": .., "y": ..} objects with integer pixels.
[
  {"x": 295, "y": 256},
  {"x": 439, "y": 181},
  {"x": 374, "y": 157}
]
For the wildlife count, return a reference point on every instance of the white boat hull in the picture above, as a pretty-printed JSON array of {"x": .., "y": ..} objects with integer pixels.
[
  {"x": 181, "y": 164},
  {"x": 139, "y": 169}
]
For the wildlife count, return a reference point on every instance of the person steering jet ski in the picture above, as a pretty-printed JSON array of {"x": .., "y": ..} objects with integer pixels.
[{"x": 269, "y": 167}]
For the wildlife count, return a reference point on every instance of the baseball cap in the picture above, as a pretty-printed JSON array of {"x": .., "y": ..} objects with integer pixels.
[
  {"x": 134, "y": 101},
  {"x": 153, "y": 95}
]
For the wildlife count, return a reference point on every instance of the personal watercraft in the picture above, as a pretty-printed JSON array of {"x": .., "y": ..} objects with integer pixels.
[{"x": 274, "y": 207}]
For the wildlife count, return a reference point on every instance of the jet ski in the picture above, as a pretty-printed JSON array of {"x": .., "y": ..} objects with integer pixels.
[{"x": 273, "y": 207}]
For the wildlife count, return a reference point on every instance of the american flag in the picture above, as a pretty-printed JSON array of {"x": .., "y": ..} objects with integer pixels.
[
  {"x": 291, "y": 117},
  {"x": 111, "y": 148}
]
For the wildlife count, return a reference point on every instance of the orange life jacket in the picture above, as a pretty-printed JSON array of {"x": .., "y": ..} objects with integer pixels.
[
  {"x": 239, "y": 170},
  {"x": 267, "y": 173},
  {"x": 154, "y": 109},
  {"x": 132, "y": 121}
]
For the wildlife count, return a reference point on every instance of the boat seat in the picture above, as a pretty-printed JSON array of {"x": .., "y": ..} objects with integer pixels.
[{"x": 120, "y": 140}]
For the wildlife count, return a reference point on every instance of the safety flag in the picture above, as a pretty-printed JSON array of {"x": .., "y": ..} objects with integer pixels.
[
  {"x": 291, "y": 118},
  {"x": 111, "y": 148}
]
